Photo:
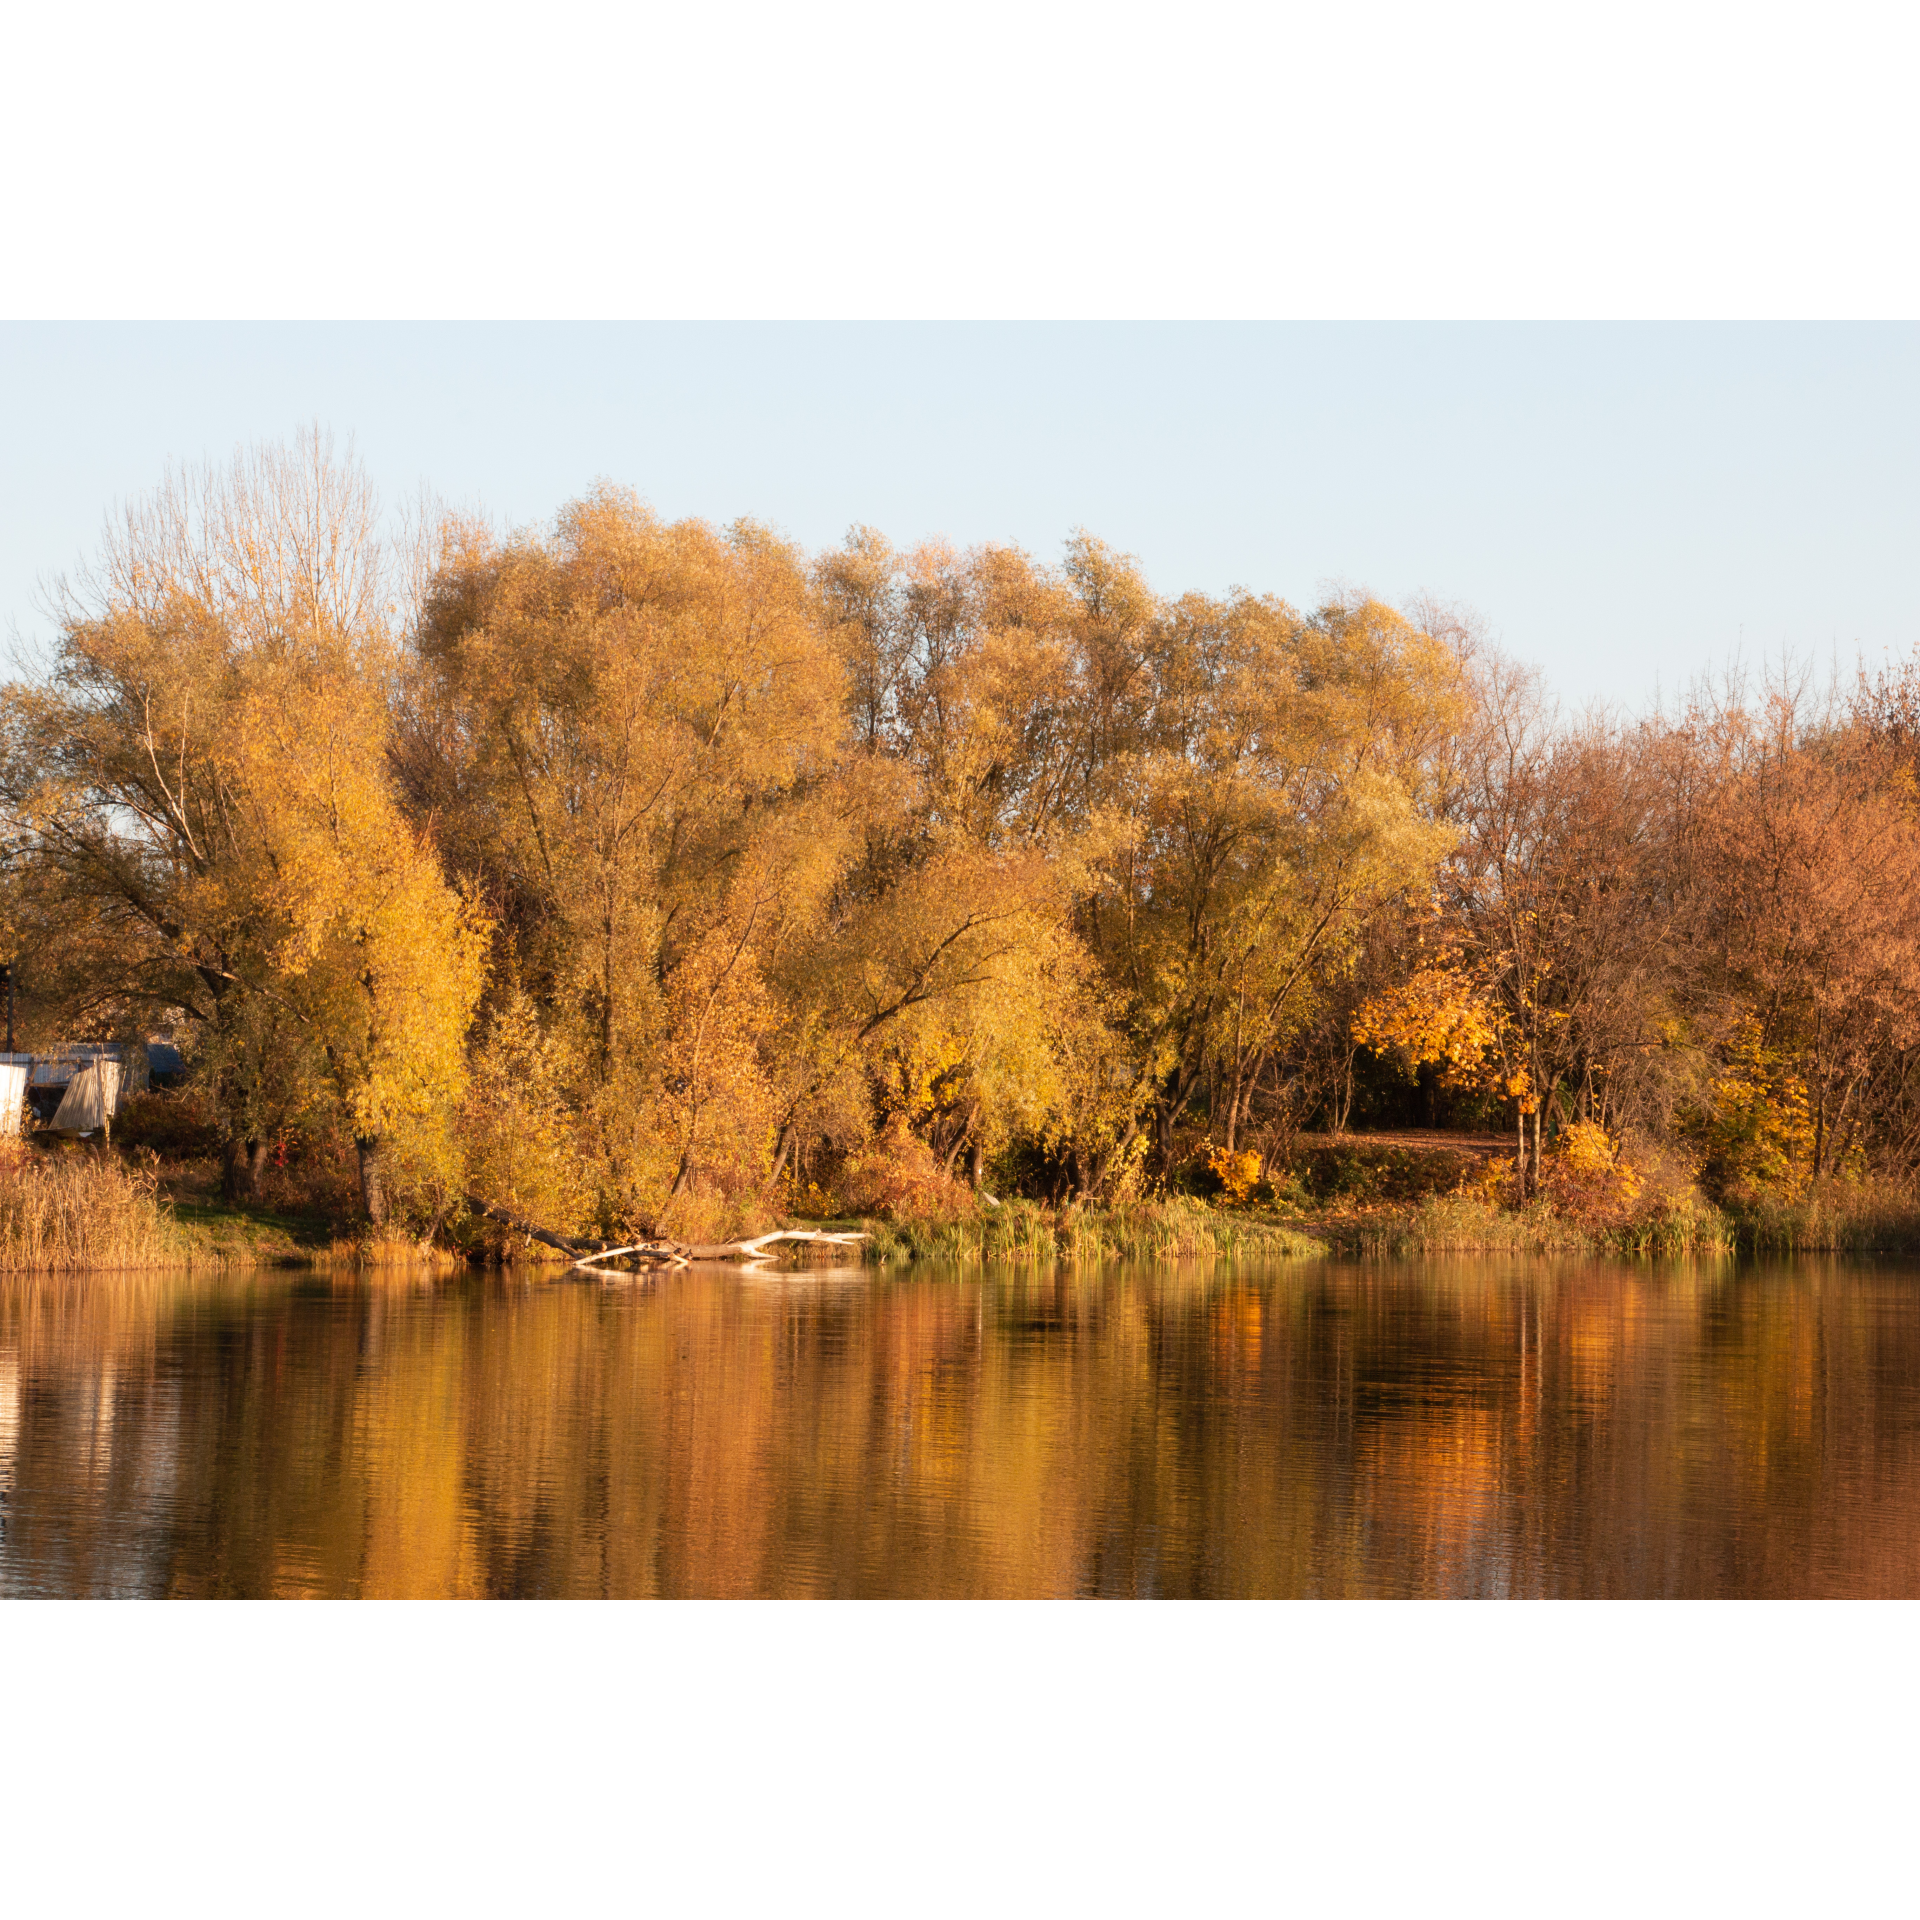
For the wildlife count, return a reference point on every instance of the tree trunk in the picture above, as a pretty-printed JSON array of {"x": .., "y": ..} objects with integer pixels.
[
  {"x": 241, "y": 1164},
  {"x": 960, "y": 1139},
  {"x": 374, "y": 1174},
  {"x": 673, "y": 1253},
  {"x": 1112, "y": 1156},
  {"x": 780, "y": 1155},
  {"x": 528, "y": 1231}
]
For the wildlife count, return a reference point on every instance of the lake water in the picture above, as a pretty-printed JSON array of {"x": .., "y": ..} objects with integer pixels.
[{"x": 1440, "y": 1428}]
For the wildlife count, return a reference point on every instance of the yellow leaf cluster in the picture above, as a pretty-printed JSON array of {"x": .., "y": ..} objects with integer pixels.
[
  {"x": 1759, "y": 1125},
  {"x": 1237, "y": 1172},
  {"x": 1435, "y": 1017}
]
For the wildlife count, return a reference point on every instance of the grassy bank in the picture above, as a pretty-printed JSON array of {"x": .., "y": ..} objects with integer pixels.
[
  {"x": 1843, "y": 1220},
  {"x": 1464, "y": 1223},
  {"x": 82, "y": 1210},
  {"x": 1022, "y": 1231},
  {"x": 1425, "y": 1194},
  {"x": 215, "y": 1234},
  {"x": 1188, "y": 1229},
  {"x": 1840, "y": 1219}
]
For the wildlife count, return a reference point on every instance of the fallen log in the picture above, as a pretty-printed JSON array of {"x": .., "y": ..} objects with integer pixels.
[
  {"x": 588, "y": 1254},
  {"x": 663, "y": 1253},
  {"x": 753, "y": 1252}
]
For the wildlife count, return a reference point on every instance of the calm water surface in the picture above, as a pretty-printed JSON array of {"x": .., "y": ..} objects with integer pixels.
[{"x": 1459, "y": 1428}]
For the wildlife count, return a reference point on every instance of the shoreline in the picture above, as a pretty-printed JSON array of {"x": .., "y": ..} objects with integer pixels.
[{"x": 67, "y": 1218}]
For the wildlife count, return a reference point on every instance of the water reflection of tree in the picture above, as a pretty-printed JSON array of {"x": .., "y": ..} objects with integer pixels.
[{"x": 1448, "y": 1429}]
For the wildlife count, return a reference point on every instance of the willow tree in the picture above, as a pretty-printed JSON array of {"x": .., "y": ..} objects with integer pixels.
[
  {"x": 1216, "y": 797},
  {"x": 1277, "y": 790},
  {"x": 205, "y": 834},
  {"x": 628, "y": 730},
  {"x": 981, "y": 707}
]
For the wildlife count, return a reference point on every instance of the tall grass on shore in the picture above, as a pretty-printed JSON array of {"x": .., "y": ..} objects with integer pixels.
[
  {"x": 1021, "y": 1232},
  {"x": 1843, "y": 1217},
  {"x": 1466, "y": 1223},
  {"x": 83, "y": 1212},
  {"x": 1840, "y": 1220},
  {"x": 87, "y": 1211}
]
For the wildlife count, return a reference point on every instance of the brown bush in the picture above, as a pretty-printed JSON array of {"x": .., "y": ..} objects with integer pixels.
[
  {"x": 172, "y": 1125},
  {"x": 897, "y": 1177}
]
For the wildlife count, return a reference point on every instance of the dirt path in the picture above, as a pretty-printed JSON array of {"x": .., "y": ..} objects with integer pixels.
[{"x": 1415, "y": 1137}]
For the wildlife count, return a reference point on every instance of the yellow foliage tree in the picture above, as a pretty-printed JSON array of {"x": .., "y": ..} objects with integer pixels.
[
  {"x": 626, "y": 729},
  {"x": 1275, "y": 794},
  {"x": 202, "y": 776},
  {"x": 1587, "y": 1177}
]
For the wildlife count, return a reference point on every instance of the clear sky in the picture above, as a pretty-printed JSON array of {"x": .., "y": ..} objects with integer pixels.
[{"x": 1624, "y": 504}]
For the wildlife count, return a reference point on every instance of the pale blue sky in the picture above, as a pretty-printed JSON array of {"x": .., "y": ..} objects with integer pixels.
[{"x": 1624, "y": 504}]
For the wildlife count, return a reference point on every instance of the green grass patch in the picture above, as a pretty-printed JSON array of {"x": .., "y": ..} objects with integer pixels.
[
  {"x": 244, "y": 1236},
  {"x": 1023, "y": 1232}
]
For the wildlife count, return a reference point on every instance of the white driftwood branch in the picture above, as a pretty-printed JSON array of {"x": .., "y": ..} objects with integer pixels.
[
  {"x": 672, "y": 1253},
  {"x": 658, "y": 1251},
  {"x": 588, "y": 1254}
]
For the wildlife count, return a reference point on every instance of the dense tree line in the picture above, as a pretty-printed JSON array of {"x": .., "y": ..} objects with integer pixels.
[{"x": 629, "y": 872}]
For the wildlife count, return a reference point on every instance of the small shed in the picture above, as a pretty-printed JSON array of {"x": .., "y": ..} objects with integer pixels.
[
  {"x": 54, "y": 1070},
  {"x": 91, "y": 1097},
  {"x": 14, "y": 1069}
]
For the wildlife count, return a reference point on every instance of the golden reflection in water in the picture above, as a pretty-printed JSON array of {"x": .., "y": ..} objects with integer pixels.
[{"x": 1447, "y": 1428}]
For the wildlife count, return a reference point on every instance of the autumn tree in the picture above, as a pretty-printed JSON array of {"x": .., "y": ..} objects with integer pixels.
[
  {"x": 198, "y": 786},
  {"x": 1562, "y": 900},
  {"x": 629, "y": 730},
  {"x": 1806, "y": 870},
  {"x": 978, "y": 809},
  {"x": 1219, "y": 795},
  {"x": 1272, "y": 794},
  {"x": 622, "y": 872}
]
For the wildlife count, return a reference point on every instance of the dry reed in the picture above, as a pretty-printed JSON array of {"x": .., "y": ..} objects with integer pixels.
[{"x": 83, "y": 1212}]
